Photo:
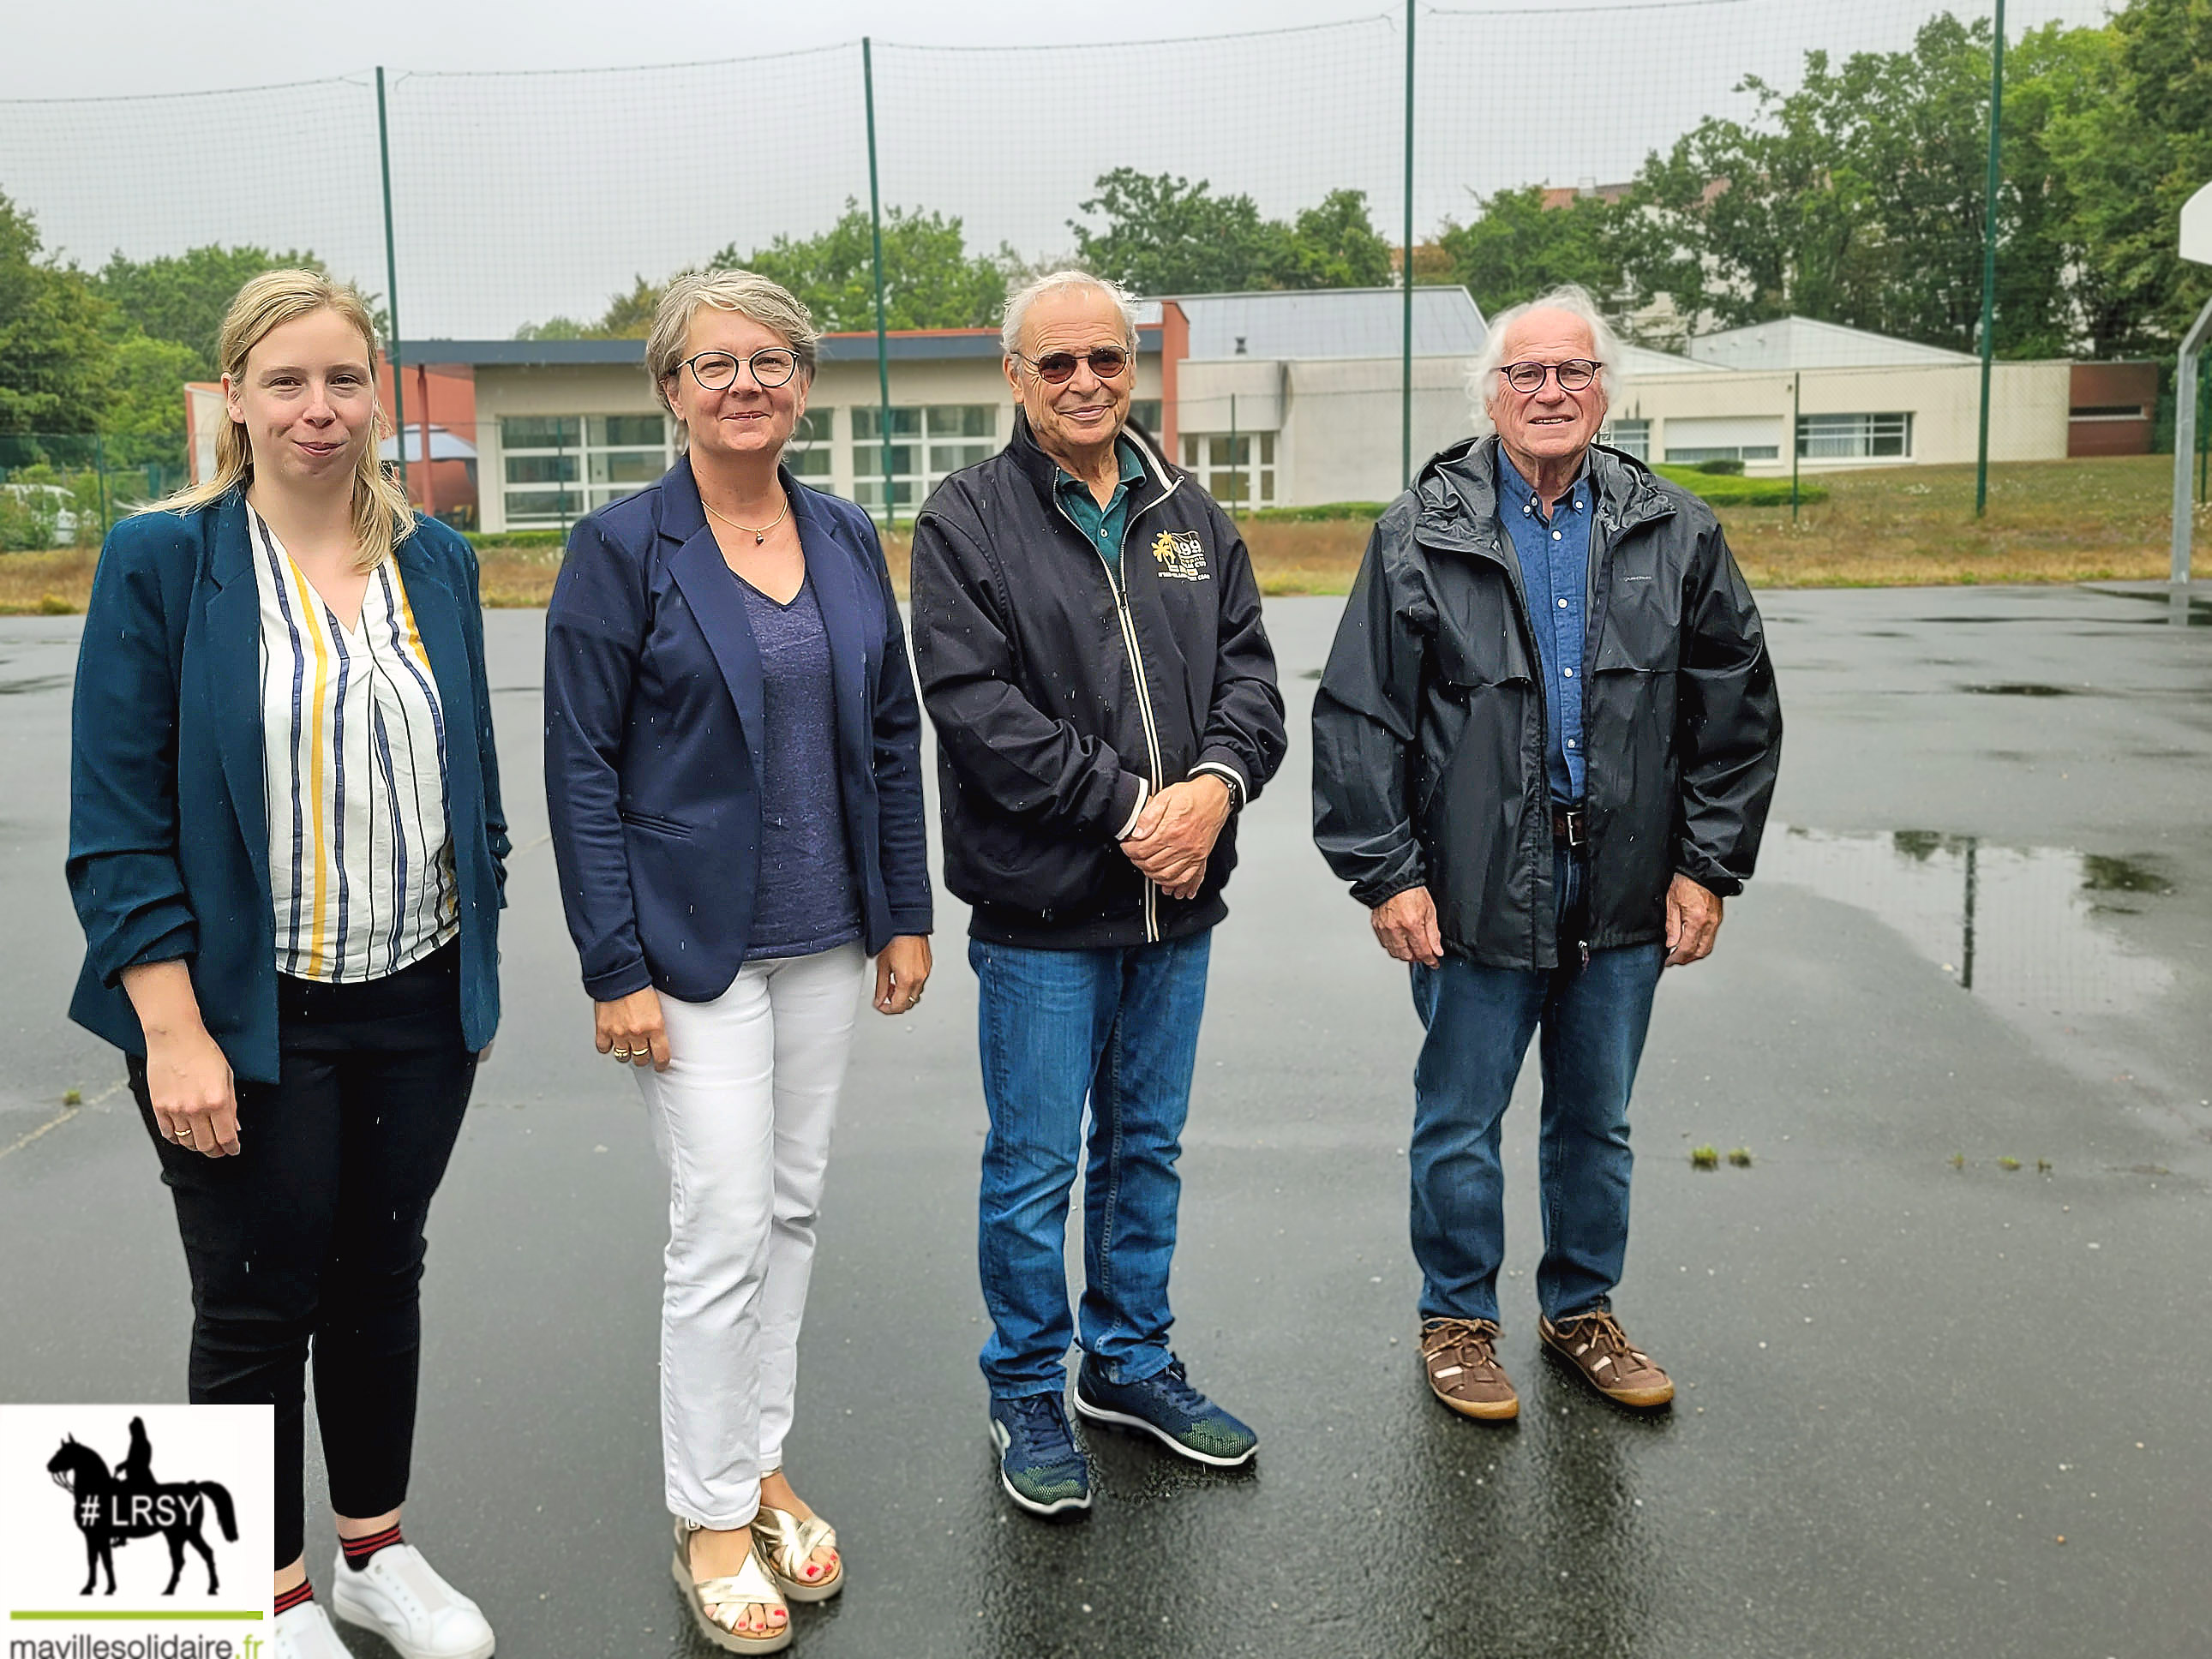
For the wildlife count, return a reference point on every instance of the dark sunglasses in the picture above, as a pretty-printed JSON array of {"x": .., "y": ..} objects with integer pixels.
[
  {"x": 1058, "y": 367},
  {"x": 1575, "y": 375},
  {"x": 717, "y": 371}
]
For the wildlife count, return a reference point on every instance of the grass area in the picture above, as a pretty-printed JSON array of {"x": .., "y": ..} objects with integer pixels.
[
  {"x": 1734, "y": 489},
  {"x": 2049, "y": 521}
]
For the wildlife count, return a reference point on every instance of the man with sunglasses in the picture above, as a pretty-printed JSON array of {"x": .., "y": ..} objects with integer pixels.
[
  {"x": 1544, "y": 747},
  {"x": 1087, "y": 631}
]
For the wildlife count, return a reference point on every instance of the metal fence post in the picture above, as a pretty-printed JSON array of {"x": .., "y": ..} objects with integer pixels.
[
  {"x": 1797, "y": 439},
  {"x": 876, "y": 217},
  {"x": 2184, "y": 441},
  {"x": 99, "y": 468},
  {"x": 1989, "y": 256},
  {"x": 392, "y": 284},
  {"x": 1405, "y": 345}
]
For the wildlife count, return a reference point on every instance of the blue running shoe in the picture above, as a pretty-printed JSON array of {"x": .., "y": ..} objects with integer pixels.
[
  {"x": 1166, "y": 1405},
  {"x": 1039, "y": 1463}
]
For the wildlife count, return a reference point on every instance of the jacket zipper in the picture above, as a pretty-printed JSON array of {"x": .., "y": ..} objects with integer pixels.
[{"x": 1120, "y": 592}]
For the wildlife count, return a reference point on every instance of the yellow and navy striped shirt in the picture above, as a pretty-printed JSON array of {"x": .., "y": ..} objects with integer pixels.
[{"x": 361, "y": 864}]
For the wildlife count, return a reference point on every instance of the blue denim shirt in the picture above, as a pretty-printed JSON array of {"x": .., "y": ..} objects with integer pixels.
[
  {"x": 1555, "y": 574},
  {"x": 1105, "y": 525}
]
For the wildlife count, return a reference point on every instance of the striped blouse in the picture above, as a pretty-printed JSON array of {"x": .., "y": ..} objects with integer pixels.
[{"x": 361, "y": 864}]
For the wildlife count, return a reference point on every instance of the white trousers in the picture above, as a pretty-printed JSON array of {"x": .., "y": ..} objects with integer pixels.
[{"x": 741, "y": 1119}]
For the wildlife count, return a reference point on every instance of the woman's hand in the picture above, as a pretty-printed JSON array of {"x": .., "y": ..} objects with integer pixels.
[
  {"x": 195, "y": 1101},
  {"x": 901, "y": 972},
  {"x": 630, "y": 1027},
  {"x": 188, "y": 1081}
]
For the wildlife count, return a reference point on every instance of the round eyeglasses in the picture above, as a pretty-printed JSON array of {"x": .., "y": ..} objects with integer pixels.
[
  {"x": 717, "y": 371},
  {"x": 1058, "y": 367},
  {"x": 1574, "y": 375}
]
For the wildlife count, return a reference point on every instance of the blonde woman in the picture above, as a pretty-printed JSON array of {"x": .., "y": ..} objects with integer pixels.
[
  {"x": 287, "y": 850},
  {"x": 732, "y": 770}
]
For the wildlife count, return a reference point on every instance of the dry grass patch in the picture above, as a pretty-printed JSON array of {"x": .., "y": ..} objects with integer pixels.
[{"x": 2048, "y": 521}]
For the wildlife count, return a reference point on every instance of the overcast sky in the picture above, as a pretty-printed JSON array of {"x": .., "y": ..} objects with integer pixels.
[{"x": 520, "y": 195}]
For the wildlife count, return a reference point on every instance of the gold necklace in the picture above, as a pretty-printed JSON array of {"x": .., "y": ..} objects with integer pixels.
[{"x": 759, "y": 534}]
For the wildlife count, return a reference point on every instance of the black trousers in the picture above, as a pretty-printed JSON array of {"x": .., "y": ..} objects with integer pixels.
[{"x": 310, "y": 1239}]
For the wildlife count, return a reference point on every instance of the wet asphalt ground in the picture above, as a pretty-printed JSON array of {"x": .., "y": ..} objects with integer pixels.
[{"x": 1930, "y": 1404}]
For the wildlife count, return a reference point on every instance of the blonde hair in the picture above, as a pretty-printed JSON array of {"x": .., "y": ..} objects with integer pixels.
[
  {"x": 749, "y": 294},
  {"x": 382, "y": 516}
]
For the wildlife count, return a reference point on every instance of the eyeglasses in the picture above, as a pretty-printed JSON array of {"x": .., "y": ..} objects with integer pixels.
[
  {"x": 717, "y": 371},
  {"x": 1574, "y": 375},
  {"x": 1058, "y": 367}
]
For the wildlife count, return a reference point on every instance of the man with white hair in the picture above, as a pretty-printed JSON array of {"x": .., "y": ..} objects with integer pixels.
[
  {"x": 1544, "y": 747},
  {"x": 1087, "y": 631}
]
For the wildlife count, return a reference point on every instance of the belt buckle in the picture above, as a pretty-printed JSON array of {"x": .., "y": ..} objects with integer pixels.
[{"x": 1574, "y": 824}]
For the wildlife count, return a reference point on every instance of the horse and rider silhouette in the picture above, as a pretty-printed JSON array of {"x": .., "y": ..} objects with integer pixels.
[{"x": 114, "y": 1509}]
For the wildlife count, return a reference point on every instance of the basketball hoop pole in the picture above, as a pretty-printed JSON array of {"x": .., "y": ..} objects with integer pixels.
[{"x": 2184, "y": 441}]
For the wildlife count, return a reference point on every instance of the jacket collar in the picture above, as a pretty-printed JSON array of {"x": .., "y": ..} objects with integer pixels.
[
  {"x": 1040, "y": 468},
  {"x": 1456, "y": 495}
]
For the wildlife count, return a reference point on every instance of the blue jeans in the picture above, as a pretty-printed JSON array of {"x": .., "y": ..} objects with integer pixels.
[
  {"x": 1118, "y": 1028},
  {"x": 1479, "y": 1022}
]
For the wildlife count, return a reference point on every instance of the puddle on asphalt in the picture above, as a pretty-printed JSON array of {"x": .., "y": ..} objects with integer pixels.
[
  {"x": 35, "y": 682},
  {"x": 2018, "y": 689},
  {"x": 2025, "y": 928}
]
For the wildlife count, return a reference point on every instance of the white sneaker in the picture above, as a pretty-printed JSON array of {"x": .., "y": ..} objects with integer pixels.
[
  {"x": 306, "y": 1633},
  {"x": 400, "y": 1596}
]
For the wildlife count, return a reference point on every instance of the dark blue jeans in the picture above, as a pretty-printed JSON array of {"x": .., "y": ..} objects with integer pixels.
[
  {"x": 1119, "y": 1029},
  {"x": 1479, "y": 1022}
]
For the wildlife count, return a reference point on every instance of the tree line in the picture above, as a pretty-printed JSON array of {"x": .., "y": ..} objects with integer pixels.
[{"x": 1856, "y": 196}]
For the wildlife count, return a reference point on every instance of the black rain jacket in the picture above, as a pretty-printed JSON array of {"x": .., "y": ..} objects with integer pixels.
[
  {"x": 1429, "y": 726},
  {"x": 1061, "y": 695}
]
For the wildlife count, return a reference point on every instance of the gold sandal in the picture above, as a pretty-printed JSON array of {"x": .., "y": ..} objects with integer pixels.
[
  {"x": 785, "y": 1543},
  {"x": 752, "y": 1584}
]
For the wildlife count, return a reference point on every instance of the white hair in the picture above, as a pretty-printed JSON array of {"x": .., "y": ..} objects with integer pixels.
[
  {"x": 1573, "y": 298},
  {"x": 1058, "y": 281}
]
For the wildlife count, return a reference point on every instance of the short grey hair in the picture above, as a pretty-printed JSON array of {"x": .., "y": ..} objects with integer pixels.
[
  {"x": 749, "y": 294},
  {"x": 1059, "y": 282},
  {"x": 1573, "y": 298}
]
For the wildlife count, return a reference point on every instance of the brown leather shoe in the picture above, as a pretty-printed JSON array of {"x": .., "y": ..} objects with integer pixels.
[
  {"x": 1461, "y": 1356},
  {"x": 1595, "y": 1346}
]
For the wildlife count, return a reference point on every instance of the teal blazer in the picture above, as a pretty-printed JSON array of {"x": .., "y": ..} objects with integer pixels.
[{"x": 168, "y": 855}]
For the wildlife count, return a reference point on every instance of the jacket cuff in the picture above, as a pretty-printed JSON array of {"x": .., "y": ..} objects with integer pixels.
[
  {"x": 618, "y": 981},
  {"x": 904, "y": 922},
  {"x": 1130, "y": 794},
  {"x": 178, "y": 944},
  {"x": 1373, "y": 893},
  {"x": 1217, "y": 764},
  {"x": 1710, "y": 876}
]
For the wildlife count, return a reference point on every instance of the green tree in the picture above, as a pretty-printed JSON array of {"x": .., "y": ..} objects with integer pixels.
[
  {"x": 1857, "y": 199},
  {"x": 931, "y": 279},
  {"x": 54, "y": 355},
  {"x": 145, "y": 417},
  {"x": 183, "y": 296},
  {"x": 1166, "y": 235},
  {"x": 1334, "y": 245},
  {"x": 1516, "y": 247},
  {"x": 2129, "y": 160}
]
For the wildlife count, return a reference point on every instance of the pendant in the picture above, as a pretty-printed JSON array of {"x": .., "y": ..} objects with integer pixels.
[{"x": 760, "y": 538}]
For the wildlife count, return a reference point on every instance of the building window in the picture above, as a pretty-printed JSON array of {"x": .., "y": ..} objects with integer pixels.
[
  {"x": 808, "y": 454},
  {"x": 559, "y": 467},
  {"x": 1238, "y": 471},
  {"x": 1145, "y": 412},
  {"x": 927, "y": 444},
  {"x": 1690, "y": 439},
  {"x": 1854, "y": 437},
  {"x": 1629, "y": 437}
]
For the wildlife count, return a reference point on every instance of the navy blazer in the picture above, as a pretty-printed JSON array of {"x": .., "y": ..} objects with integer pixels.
[
  {"x": 653, "y": 701},
  {"x": 168, "y": 817}
]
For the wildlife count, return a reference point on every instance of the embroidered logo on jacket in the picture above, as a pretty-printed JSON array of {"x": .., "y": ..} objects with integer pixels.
[{"x": 1182, "y": 555}]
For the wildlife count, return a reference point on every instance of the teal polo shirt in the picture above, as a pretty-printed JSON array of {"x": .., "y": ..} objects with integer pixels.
[{"x": 1105, "y": 525}]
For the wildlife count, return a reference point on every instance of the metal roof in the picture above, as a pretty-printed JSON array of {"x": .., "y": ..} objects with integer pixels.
[
  {"x": 1305, "y": 324},
  {"x": 902, "y": 345},
  {"x": 1789, "y": 342}
]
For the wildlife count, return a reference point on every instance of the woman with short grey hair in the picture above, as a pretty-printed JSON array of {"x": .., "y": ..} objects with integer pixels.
[{"x": 734, "y": 774}]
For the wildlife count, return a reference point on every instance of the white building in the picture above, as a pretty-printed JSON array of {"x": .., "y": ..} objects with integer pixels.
[{"x": 1281, "y": 399}]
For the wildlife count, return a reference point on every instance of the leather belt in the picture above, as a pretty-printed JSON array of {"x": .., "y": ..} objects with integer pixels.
[{"x": 1571, "y": 826}]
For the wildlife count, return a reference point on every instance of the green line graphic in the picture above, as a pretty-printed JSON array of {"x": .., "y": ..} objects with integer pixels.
[{"x": 72, "y": 1616}]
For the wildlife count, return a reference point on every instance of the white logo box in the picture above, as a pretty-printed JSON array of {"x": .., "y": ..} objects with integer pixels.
[{"x": 200, "y": 1456}]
